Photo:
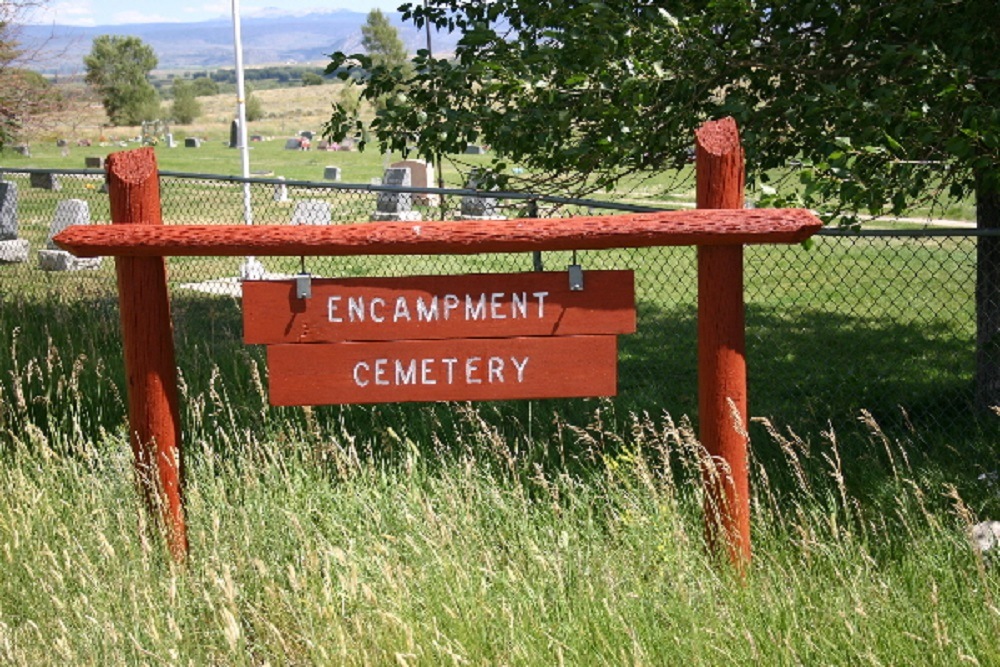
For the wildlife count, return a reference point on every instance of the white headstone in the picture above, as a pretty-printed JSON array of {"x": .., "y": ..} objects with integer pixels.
[
  {"x": 311, "y": 212},
  {"x": 51, "y": 258},
  {"x": 280, "y": 191}
]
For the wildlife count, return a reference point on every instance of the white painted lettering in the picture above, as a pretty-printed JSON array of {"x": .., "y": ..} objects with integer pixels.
[
  {"x": 496, "y": 301},
  {"x": 519, "y": 305},
  {"x": 380, "y": 365},
  {"x": 356, "y": 309},
  {"x": 377, "y": 303},
  {"x": 475, "y": 310},
  {"x": 495, "y": 366},
  {"x": 471, "y": 369},
  {"x": 358, "y": 369},
  {"x": 427, "y": 312},
  {"x": 402, "y": 310},
  {"x": 520, "y": 367},
  {"x": 406, "y": 374},
  {"x": 450, "y": 364},
  {"x": 450, "y": 303},
  {"x": 331, "y": 309},
  {"x": 426, "y": 369},
  {"x": 541, "y": 303}
]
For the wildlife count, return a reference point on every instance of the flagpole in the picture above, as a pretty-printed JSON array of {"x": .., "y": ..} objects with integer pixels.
[{"x": 251, "y": 268}]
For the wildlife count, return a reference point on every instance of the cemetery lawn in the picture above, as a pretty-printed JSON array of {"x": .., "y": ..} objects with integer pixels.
[
  {"x": 543, "y": 532},
  {"x": 293, "y": 109}
]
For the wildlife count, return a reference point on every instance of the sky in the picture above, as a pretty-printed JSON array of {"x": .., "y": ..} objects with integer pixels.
[{"x": 113, "y": 12}]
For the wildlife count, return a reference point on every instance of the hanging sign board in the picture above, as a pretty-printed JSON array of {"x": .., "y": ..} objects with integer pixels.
[
  {"x": 440, "y": 338},
  {"x": 465, "y": 369},
  {"x": 436, "y": 307}
]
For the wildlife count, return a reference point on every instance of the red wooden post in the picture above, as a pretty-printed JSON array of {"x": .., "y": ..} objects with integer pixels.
[
  {"x": 147, "y": 332},
  {"x": 722, "y": 384}
]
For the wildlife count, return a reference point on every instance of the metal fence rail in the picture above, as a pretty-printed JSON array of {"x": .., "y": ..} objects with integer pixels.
[{"x": 882, "y": 321}]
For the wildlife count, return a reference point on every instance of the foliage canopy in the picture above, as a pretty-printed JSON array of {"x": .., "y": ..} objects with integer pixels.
[
  {"x": 876, "y": 100},
  {"x": 118, "y": 68},
  {"x": 185, "y": 108},
  {"x": 381, "y": 40},
  {"x": 25, "y": 96}
]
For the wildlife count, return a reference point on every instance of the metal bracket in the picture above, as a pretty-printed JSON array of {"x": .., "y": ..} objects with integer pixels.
[
  {"x": 303, "y": 285},
  {"x": 575, "y": 275}
]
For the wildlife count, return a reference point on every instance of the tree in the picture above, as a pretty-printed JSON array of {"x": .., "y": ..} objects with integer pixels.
[
  {"x": 381, "y": 41},
  {"x": 118, "y": 68},
  {"x": 202, "y": 86},
  {"x": 882, "y": 104},
  {"x": 185, "y": 107},
  {"x": 25, "y": 96},
  {"x": 312, "y": 79},
  {"x": 254, "y": 109}
]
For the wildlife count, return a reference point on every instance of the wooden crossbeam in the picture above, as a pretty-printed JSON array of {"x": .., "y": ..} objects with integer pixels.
[{"x": 665, "y": 228}]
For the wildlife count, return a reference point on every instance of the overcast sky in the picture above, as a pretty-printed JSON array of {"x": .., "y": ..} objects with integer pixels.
[{"x": 112, "y": 12}]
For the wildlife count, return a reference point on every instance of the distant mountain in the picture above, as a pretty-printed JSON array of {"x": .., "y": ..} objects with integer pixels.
[{"x": 267, "y": 40}]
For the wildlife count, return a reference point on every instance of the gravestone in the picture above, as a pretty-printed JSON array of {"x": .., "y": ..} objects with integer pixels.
[
  {"x": 280, "y": 190},
  {"x": 311, "y": 212},
  {"x": 331, "y": 174},
  {"x": 476, "y": 207},
  {"x": 293, "y": 144},
  {"x": 51, "y": 258},
  {"x": 474, "y": 149},
  {"x": 169, "y": 137},
  {"x": 421, "y": 176},
  {"x": 45, "y": 181},
  {"x": 12, "y": 249},
  {"x": 94, "y": 162},
  {"x": 23, "y": 150},
  {"x": 61, "y": 143},
  {"x": 234, "y": 133},
  {"x": 395, "y": 205},
  {"x": 192, "y": 142}
]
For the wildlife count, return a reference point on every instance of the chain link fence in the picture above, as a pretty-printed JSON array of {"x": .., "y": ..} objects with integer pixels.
[{"x": 880, "y": 321}]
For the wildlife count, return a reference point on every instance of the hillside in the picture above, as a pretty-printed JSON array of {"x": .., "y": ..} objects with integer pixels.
[{"x": 209, "y": 44}]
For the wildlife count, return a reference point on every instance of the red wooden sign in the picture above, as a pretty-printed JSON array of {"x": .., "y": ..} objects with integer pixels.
[
  {"x": 437, "y": 307},
  {"x": 472, "y": 369}
]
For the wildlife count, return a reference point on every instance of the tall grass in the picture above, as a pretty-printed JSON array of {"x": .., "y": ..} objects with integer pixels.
[
  {"x": 321, "y": 548},
  {"x": 459, "y": 534}
]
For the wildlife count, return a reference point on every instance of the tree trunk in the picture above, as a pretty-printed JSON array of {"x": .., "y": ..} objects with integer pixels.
[{"x": 987, "y": 298}]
